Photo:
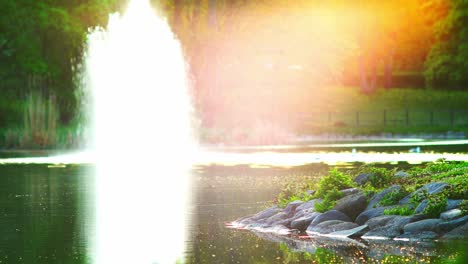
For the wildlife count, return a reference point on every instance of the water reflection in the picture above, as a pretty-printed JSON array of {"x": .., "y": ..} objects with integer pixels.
[
  {"x": 41, "y": 214},
  {"x": 44, "y": 208}
]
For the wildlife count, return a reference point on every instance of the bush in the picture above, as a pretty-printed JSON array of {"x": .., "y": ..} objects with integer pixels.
[
  {"x": 435, "y": 206},
  {"x": 334, "y": 180},
  {"x": 329, "y": 200},
  {"x": 400, "y": 210},
  {"x": 380, "y": 177},
  {"x": 392, "y": 198}
]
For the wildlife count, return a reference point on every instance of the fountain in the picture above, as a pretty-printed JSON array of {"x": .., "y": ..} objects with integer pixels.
[{"x": 142, "y": 132}]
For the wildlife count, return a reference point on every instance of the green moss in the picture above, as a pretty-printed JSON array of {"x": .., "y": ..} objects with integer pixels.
[{"x": 334, "y": 180}]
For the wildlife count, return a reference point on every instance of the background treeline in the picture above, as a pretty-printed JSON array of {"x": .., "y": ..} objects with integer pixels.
[{"x": 249, "y": 60}]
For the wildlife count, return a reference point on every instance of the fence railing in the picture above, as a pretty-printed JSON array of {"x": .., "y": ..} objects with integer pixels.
[{"x": 388, "y": 118}]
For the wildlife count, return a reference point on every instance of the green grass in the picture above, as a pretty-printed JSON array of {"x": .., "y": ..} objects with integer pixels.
[{"x": 335, "y": 110}]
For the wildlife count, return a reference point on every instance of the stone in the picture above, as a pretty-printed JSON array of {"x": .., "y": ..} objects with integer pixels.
[
  {"x": 331, "y": 226},
  {"x": 266, "y": 213},
  {"x": 421, "y": 226},
  {"x": 350, "y": 191},
  {"x": 379, "y": 221},
  {"x": 370, "y": 213},
  {"x": 291, "y": 207},
  {"x": 276, "y": 218},
  {"x": 450, "y": 214},
  {"x": 303, "y": 222},
  {"x": 450, "y": 225},
  {"x": 460, "y": 232},
  {"x": 352, "y": 205},
  {"x": 401, "y": 174},
  {"x": 421, "y": 207},
  {"x": 430, "y": 188},
  {"x": 309, "y": 205},
  {"x": 330, "y": 215},
  {"x": 452, "y": 204},
  {"x": 362, "y": 178},
  {"x": 354, "y": 232},
  {"x": 311, "y": 192},
  {"x": 393, "y": 228},
  {"x": 424, "y": 235},
  {"x": 379, "y": 196}
]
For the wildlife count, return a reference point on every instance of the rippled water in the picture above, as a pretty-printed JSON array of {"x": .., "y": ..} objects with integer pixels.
[{"x": 43, "y": 219}]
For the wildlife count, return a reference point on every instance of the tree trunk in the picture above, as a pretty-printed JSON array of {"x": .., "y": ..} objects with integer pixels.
[
  {"x": 388, "y": 70},
  {"x": 212, "y": 19},
  {"x": 363, "y": 74}
]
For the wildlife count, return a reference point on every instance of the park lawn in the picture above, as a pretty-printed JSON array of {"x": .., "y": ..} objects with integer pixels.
[{"x": 344, "y": 110}]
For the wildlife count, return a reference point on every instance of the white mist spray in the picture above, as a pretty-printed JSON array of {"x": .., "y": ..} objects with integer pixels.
[{"x": 143, "y": 142}]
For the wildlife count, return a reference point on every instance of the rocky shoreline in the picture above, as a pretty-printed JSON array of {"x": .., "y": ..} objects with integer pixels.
[{"x": 360, "y": 215}]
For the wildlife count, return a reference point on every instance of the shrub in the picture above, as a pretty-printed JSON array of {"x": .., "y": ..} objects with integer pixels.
[
  {"x": 392, "y": 198},
  {"x": 380, "y": 177},
  {"x": 334, "y": 180},
  {"x": 400, "y": 210},
  {"x": 464, "y": 207},
  {"x": 435, "y": 206},
  {"x": 40, "y": 122},
  {"x": 329, "y": 200}
]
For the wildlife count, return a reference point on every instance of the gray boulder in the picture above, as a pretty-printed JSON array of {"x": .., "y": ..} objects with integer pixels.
[
  {"x": 452, "y": 204},
  {"x": 423, "y": 225},
  {"x": 401, "y": 174},
  {"x": 308, "y": 206},
  {"x": 352, "y": 205},
  {"x": 393, "y": 228},
  {"x": 330, "y": 215},
  {"x": 276, "y": 218},
  {"x": 460, "y": 232},
  {"x": 330, "y": 226},
  {"x": 370, "y": 213},
  {"x": 379, "y": 221},
  {"x": 424, "y": 235},
  {"x": 362, "y": 178},
  {"x": 430, "y": 188},
  {"x": 379, "y": 196},
  {"x": 450, "y": 225},
  {"x": 303, "y": 222},
  {"x": 450, "y": 214},
  {"x": 354, "y": 232},
  {"x": 422, "y": 206},
  {"x": 266, "y": 213},
  {"x": 291, "y": 207},
  {"x": 350, "y": 191}
]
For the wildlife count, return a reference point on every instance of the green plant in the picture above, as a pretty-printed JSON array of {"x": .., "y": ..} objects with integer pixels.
[
  {"x": 40, "y": 122},
  {"x": 464, "y": 207},
  {"x": 380, "y": 177},
  {"x": 399, "y": 210},
  {"x": 329, "y": 200},
  {"x": 392, "y": 197},
  {"x": 435, "y": 206},
  {"x": 334, "y": 180}
]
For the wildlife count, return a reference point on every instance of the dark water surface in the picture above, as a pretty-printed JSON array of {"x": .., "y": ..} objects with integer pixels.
[{"x": 45, "y": 217}]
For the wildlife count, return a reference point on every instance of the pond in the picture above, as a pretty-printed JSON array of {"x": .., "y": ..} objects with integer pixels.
[{"x": 47, "y": 209}]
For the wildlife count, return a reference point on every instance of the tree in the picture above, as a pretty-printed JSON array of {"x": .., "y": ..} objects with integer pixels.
[{"x": 447, "y": 64}]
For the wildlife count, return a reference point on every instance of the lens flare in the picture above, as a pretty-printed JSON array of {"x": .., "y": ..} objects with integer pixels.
[{"x": 142, "y": 137}]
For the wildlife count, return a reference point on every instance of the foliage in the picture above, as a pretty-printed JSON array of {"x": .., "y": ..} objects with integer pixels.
[
  {"x": 294, "y": 192},
  {"x": 392, "y": 197},
  {"x": 328, "y": 201},
  {"x": 435, "y": 206},
  {"x": 447, "y": 64},
  {"x": 40, "y": 122},
  {"x": 334, "y": 180},
  {"x": 464, "y": 207},
  {"x": 399, "y": 210},
  {"x": 380, "y": 177}
]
